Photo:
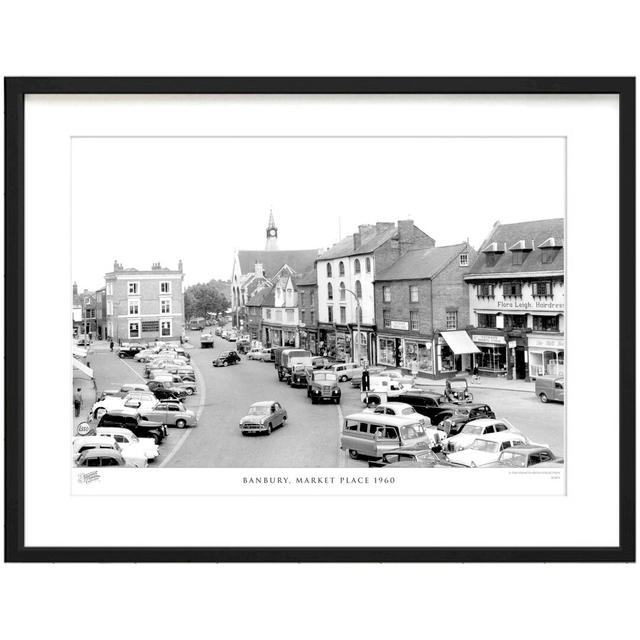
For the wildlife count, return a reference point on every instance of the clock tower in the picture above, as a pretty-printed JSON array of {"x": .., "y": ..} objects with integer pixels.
[{"x": 272, "y": 234}]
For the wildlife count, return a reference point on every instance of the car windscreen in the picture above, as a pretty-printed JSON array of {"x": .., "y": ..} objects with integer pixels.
[
  {"x": 514, "y": 459},
  {"x": 325, "y": 377},
  {"x": 458, "y": 384},
  {"x": 412, "y": 431},
  {"x": 473, "y": 429},
  {"x": 485, "y": 445},
  {"x": 259, "y": 411}
]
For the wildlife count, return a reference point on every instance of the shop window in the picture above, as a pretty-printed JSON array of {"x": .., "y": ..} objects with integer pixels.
[
  {"x": 358, "y": 289},
  {"x": 492, "y": 358},
  {"x": 447, "y": 359},
  {"x": 386, "y": 318},
  {"x": 545, "y": 323},
  {"x": 367, "y": 265},
  {"x": 413, "y": 320},
  {"x": 342, "y": 291},
  {"x": 356, "y": 266},
  {"x": 542, "y": 288},
  {"x": 515, "y": 321},
  {"x": 452, "y": 320},
  {"x": 329, "y": 274},
  {"x": 341, "y": 269},
  {"x": 330, "y": 314},
  {"x": 387, "y": 351},
  {"x": 421, "y": 352},
  {"x": 485, "y": 290},
  {"x": 330, "y": 291},
  {"x": 413, "y": 293},
  {"x": 511, "y": 289},
  {"x": 486, "y": 321},
  {"x": 386, "y": 294}
]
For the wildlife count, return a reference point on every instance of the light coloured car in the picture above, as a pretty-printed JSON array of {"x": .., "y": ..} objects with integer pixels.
[
  {"x": 254, "y": 354},
  {"x": 346, "y": 370},
  {"x": 136, "y": 386},
  {"x": 172, "y": 414},
  {"x": 101, "y": 457},
  {"x": 266, "y": 355},
  {"x": 134, "y": 456},
  {"x": 263, "y": 417},
  {"x": 126, "y": 438},
  {"x": 476, "y": 429},
  {"x": 145, "y": 355},
  {"x": 401, "y": 409},
  {"x": 524, "y": 456},
  {"x": 487, "y": 449}
]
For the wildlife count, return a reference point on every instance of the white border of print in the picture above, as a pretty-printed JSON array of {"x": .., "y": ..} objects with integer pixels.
[{"x": 54, "y": 517}]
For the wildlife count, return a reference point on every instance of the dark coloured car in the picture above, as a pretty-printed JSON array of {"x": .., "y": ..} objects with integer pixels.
[
  {"x": 130, "y": 350},
  {"x": 420, "y": 456},
  {"x": 136, "y": 423},
  {"x": 226, "y": 358},
  {"x": 465, "y": 413},
  {"x": 430, "y": 404},
  {"x": 523, "y": 456},
  {"x": 299, "y": 376},
  {"x": 166, "y": 390}
]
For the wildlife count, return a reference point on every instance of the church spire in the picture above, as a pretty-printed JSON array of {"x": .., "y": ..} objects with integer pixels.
[{"x": 272, "y": 233}]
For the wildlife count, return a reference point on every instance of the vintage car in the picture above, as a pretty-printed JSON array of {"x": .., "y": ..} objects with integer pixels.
[
  {"x": 146, "y": 354},
  {"x": 383, "y": 388},
  {"x": 129, "y": 351},
  {"x": 226, "y": 358},
  {"x": 131, "y": 400},
  {"x": 163, "y": 389},
  {"x": 254, "y": 354},
  {"x": 421, "y": 457},
  {"x": 186, "y": 383},
  {"x": 133, "y": 455},
  {"x": 125, "y": 437},
  {"x": 428, "y": 403},
  {"x": 487, "y": 449},
  {"x": 523, "y": 456},
  {"x": 299, "y": 375},
  {"x": 318, "y": 362},
  {"x": 457, "y": 390},
  {"x": 263, "y": 417},
  {"x": 133, "y": 386},
  {"x": 463, "y": 414},
  {"x": 323, "y": 385},
  {"x": 476, "y": 429},
  {"x": 266, "y": 354},
  {"x": 135, "y": 422},
  {"x": 172, "y": 414},
  {"x": 99, "y": 457},
  {"x": 550, "y": 388},
  {"x": 206, "y": 340},
  {"x": 346, "y": 370},
  {"x": 232, "y": 336}
]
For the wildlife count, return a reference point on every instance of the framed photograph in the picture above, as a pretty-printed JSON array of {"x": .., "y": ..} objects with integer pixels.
[{"x": 320, "y": 319}]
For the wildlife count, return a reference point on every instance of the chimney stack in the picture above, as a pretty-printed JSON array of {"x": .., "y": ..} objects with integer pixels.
[
  {"x": 357, "y": 240},
  {"x": 75, "y": 288},
  {"x": 179, "y": 265},
  {"x": 382, "y": 226}
]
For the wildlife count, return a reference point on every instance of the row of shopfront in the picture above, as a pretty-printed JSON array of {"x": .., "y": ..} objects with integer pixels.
[{"x": 516, "y": 354}]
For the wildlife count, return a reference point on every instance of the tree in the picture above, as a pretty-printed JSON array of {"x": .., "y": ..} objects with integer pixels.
[{"x": 203, "y": 298}]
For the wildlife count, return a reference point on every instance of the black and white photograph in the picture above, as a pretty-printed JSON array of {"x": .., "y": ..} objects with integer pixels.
[{"x": 319, "y": 302}]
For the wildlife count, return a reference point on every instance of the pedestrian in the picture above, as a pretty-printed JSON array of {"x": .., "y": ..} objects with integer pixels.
[
  {"x": 111, "y": 346},
  {"x": 476, "y": 373},
  {"x": 77, "y": 401},
  {"x": 414, "y": 370}
]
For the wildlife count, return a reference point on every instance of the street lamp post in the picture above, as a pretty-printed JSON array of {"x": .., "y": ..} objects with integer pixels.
[{"x": 358, "y": 309}]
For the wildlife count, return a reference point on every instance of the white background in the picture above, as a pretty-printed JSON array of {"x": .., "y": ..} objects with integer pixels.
[{"x": 372, "y": 38}]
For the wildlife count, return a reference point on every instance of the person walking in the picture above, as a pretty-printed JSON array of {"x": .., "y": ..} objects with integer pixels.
[
  {"x": 476, "y": 373},
  {"x": 111, "y": 346},
  {"x": 77, "y": 401}
]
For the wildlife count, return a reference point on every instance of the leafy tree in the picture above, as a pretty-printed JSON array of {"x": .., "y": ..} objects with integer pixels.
[{"x": 203, "y": 298}]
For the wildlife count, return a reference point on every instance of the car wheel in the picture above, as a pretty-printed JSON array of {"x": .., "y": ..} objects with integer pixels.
[
  {"x": 156, "y": 438},
  {"x": 189, "y": 391},
  {"x": 343, "y": 378},
  {"x": 269, "y": 429},
  {"x": 336, "y": 400},
  {"x": 543, "y": 397},
  {"x": 353, "y": 454},
  {"x": 284, "y": 419},
  {"x": 181, "y": 424},
  {"x": 225, "y": 364},
  {"x": 121, "y": 355}
]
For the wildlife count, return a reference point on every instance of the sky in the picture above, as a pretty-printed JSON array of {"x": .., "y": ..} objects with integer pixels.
[{"x": 145, "y": 200}]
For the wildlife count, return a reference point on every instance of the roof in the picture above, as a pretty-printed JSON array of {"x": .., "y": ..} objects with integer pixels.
[
  {"x": 258, "y": 298},
  {"x": 370, "y": 241},
  {"x": 419, "y": 264},
  {"x": 310, "y": 277},
  {"x": 534, "y": 235},
  {"x": 271, "y": 261},
  {"x": 263, "y": 403},
  {"x": 377, "y": 417}
]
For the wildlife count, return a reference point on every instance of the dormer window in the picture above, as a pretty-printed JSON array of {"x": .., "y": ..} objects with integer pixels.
[
  {"x": 549, "y": 249},
  {"x": 493, "y": 252},
  {"x": 463, "y": 260},
  {"x": 548, "y": 255},
  {"x": 492, "y": 259},
  {"x": 518, "y": 251},
  {"x": 517, "y": 258}
]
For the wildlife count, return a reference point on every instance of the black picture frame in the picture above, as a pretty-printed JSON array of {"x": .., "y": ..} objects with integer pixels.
[{"x": 15, "y": 91}]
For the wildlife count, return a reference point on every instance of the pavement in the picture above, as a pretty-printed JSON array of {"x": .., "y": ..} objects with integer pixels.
[{"x": 485, "y": 382}]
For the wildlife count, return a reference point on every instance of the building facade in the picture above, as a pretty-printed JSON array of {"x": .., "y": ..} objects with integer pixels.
[
  {"x": 345, "y": 277},
  {"x": 280, "y": 314},
  {"x": 516, "y": 299},
  {"x": 422, "y": 310},
  {"x": 307, "y": 288},
  {"x": 144, "y": 305}
]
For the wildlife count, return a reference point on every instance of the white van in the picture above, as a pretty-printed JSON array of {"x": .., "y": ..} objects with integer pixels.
[{"x": 346, "y": 370}]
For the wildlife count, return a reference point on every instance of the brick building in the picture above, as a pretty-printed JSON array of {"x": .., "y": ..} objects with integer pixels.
[
  {"x": 345, "y": 276},
  {"x": 516, "y": 300},
  {"x": 85, "y": 312},
  {"x": 307, "y": 287},
  {"x": 144, "y": 305},
  {"x": 422, "y": 308}
]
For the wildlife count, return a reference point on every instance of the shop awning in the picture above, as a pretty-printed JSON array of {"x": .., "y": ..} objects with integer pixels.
[
  {"x": 459, "y": 342},
  {"x": 82, "y": 367}
]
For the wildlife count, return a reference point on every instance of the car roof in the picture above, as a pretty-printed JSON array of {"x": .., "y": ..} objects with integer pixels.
[
  {"x": 263, "y": 403},
  {"x": 118, "y": 430},
  {"x": 527, "y": 448},
  {"x": 100, "y": 453},
  {"x": 393, "y": 420},
  {"x": 485, "y": 422},
  {"x": 395, "y": 405},
  {"x": 501, "y": 436},
  {"x": 97, "y": 440}
]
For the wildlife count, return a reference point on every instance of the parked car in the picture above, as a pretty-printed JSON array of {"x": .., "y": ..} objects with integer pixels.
[
  {"x": 135, "y": 386},
  {"x": 126, "y": 437},
  {"x": 463, "y": 414},
  {"x": 487, "y": 449},
  {"x": 226, "y": 358},
  {"x": 428, "y": 403},
  {"x": 476, "y": 429},
  {"x": 135, "y": 422},
  {"x": 132, "y": 455},
  {"x": 346, "y": 370},
  {"x": 266, "y": 355},
  {"x": 263, "y": 417},
  {"x": 172, "y": 414},
  {"x": 457, "y": 390},
  {"x": 550, "y": 388},
  {"x": 373, "y": 435},
  {"x": 129, "y": 351},
  {"x": 254, "y": 354},
  {"x": 411, "y": 457},
  {"x": 101, "y": 458},
  {"x": 145, "y": 355},
  {"x": 131, "y": 400},
  {"x": 206, "y": 341},
  {"x": 163, "y": 389},
  {"x": 523, "y": 456},
  {"x": 318, "y": 362},
  {"x": 323, "y": 385}
]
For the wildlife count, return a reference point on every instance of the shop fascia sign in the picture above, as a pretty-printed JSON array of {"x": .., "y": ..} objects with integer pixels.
[
  {"x": 530, "y": 306},
  {"x": 397, "y": 324},
  {"x": 489, "y": 339},
  {"x": 546, "y": 342}
]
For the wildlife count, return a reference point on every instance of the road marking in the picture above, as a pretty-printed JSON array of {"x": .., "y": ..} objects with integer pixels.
[
  {"x": 342, "y": 454},
  {"x": 132, "y": 369},
  {"x": 200, "y": 409}
]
